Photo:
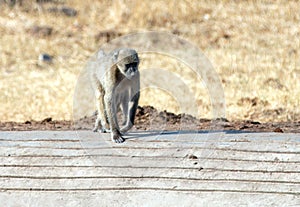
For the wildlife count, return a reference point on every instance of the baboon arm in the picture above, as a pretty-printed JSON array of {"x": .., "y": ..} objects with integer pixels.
[
  {"x": 101, "y": 116},
  {"x": 108, "y": 99},
  {"x": 112, "y": 118},
  {"x": 134, "y": 106}
]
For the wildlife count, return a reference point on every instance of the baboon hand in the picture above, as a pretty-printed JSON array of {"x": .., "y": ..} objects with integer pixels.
[{"x": 117, "y": 138}]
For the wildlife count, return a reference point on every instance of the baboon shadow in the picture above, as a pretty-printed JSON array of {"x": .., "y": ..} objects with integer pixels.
[{"x": 151, "y": 133}]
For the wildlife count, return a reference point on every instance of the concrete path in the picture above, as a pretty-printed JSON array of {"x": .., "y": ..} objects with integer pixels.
[{"x": 51, "y": 168}]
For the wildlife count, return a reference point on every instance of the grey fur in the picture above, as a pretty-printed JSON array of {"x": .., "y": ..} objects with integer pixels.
[{"x": 116, "y": 82}]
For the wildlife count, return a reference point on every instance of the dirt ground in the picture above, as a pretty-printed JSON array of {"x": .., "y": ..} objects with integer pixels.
[
  {"x": 252, "y": 45},
  {"x": 149, "y": 118}
]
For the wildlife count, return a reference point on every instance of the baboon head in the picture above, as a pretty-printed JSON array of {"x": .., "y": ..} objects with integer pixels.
[{"x": 127, "y": 62}]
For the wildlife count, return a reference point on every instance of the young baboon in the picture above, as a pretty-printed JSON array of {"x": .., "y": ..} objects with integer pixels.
[{"x": 116, "y": 81}]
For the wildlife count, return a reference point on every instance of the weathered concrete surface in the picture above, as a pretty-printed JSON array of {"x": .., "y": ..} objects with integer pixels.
[{"x": 50, "y": 168}]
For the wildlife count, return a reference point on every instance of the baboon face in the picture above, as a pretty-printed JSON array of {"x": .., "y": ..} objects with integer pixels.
[
  {"x": 128, "y": 63},
  {"x": 130, "y": 69}
]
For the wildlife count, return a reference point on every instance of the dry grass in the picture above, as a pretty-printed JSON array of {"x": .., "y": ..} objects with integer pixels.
[{"x": 253, "y": 45}]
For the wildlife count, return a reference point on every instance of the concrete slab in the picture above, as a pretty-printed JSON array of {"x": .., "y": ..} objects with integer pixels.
[{"x": 51, "y": 168}]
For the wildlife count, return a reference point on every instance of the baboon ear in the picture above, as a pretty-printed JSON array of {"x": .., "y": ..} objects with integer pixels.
[
  {"x": 100, "y": 54},
  {"x": 115, "y": 56}
]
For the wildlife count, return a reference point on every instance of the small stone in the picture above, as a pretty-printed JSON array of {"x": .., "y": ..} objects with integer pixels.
[
  {"x": 48, "y": 119},
  {"x": 27, "y": 122},
  {"x": 244, "y": 127},
  {"x": 44, "y": 57},
  {"x": 69, "y": 11},
  {"x": 191, "y": 156},
  {"x": 41, "y": 31},
  {"x": 278, "y": 130},
  {"x": 206, "y": 17},
  {"x": 222, "y": 119}
]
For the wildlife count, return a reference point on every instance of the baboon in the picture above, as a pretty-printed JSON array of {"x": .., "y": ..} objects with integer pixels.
[{"x": 116, "y": 82}]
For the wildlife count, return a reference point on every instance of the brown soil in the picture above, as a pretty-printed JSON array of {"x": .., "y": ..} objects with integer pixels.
[{"x": 148, "y": 118}]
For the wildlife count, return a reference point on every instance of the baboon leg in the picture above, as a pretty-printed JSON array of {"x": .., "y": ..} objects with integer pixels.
[
  {"x": 124, "y": 109},
  {"x": 111, "y": 110},
  {"x": 131, "y": 110},
  {"x": 101, "y": 116}
]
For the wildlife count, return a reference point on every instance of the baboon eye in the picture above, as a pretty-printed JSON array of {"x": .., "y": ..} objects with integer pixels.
[
  {"x": 131, "y": 65},
  {"x": 127, "y": 66}
]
